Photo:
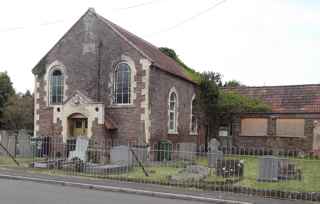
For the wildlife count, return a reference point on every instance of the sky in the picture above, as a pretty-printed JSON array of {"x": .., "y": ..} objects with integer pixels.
[{"x": 257, "y": 42}]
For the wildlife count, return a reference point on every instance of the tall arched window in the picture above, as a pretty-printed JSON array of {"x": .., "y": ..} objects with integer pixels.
[
  {"x": 193, "y": 125},
  {"x": 173, "y": 112},
  {"x": 56, "y": 87},
  {"x": 122, "y": 84}
]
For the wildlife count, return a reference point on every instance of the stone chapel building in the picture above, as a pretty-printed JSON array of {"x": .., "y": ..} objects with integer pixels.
[{"x": 105, "y": 83}]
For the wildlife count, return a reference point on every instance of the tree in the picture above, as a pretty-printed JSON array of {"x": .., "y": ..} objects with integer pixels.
[
  {"x": 231, "y": 103},
  {"x": 217, "y": 106},
  {"x": 6, "y": 91},
  {"x": 207, "y": 102},
  {"x": 194, "y": 75},
  {"x": 18, "y": 112},
  {"x": 232, "y": 83}
]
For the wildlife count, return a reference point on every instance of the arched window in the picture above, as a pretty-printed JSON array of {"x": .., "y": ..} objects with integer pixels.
[
  {"x": 193, "y": 125},
  {"x": 122, "y": 84},
  {"x": 56, "y": 87},
  {"x": 173, "y": 112}
]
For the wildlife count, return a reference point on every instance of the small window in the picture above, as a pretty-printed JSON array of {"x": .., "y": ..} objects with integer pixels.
[
  {"x": 122, "y": 84},
  {"x": 56, "y": 87},
  {"x": 173, "y": 112}
]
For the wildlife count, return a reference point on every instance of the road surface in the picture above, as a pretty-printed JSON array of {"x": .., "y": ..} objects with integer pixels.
[{"x": 25, "y": 192}]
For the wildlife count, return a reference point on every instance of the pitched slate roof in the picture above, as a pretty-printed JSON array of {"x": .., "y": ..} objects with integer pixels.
[
  {"x": 286, "y": 99},
  {"x": 150, "y": 51}
]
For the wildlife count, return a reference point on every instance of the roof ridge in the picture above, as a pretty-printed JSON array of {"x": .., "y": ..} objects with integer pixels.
[
  {"x": 119, "y": 31},
  {"x": 273, "y": 86}
]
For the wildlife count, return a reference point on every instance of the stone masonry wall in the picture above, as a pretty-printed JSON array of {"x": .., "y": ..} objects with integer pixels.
[
  {"x": 273, "y": 141},
  {"x": 159, "y": 93},
  {"x": 78, "y": 53}
]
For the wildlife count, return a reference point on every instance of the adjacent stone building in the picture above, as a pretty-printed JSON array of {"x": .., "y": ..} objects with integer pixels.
[
  {"x": 103, "y": 82},
  {"x": 293, "y": 123}
]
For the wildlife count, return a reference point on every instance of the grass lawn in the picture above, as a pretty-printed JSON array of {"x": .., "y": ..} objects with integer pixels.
[
  {"x": 23, "y": 161},
  {"x": 310, "y": 176},
  {"x": 160, "y": 174}
]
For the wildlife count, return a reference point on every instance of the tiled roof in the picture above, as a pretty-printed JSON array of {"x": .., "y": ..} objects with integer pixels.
[
  {"x": 285, "y": 99},
  {"x": 152, "y": 52}
]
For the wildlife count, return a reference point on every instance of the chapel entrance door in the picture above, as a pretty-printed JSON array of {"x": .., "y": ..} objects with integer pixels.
[{"x": 80, "y": 126}]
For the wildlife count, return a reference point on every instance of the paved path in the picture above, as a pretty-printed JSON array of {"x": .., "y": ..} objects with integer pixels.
[
  {"x": 24, "y": 192},
  {"x": 137, "y": 186}
]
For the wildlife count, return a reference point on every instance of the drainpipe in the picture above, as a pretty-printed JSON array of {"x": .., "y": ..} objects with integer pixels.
[{"x": 99, "y": 70}]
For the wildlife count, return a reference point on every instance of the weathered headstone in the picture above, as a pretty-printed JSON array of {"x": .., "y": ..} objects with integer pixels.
[
  {"x": 121, "y": 155},
  {"x": 24, "y": 144},
  {"x": 316, "y": 138},
  {"x": 214, "y": 154},
  {"x": 8, "y": 141},
  {"x": 214, "y": 145},
  {"x": 268, "y": 168},
  {"x": 81, "y": 149},
  {"x": 187, "y": 151}
]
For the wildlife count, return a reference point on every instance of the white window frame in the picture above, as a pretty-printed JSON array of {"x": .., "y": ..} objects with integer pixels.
[
  {"x": 173, "y": 111},
  {"x": 52, "y": 70},
  {"x": 130, "y": 78}
]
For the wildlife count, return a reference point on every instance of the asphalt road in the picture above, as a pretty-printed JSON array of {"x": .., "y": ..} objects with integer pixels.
[{"x": 24, "y": 192}]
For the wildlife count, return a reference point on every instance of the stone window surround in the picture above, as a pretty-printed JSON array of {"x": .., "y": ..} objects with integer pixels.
[
  {"x": 115, "y": 92},
  {"x": 56, "y": 65},
  {"x": 128, "y": 60},
  {"x": 51, "y": 85},
  {"x": 191, "y": 116},
  {"x": 173, "y": 131}
]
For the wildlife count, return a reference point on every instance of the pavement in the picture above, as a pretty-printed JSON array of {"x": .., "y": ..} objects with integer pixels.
[
  {"x": 113, "y": 187},
  {"x": 15, "y": 191}
]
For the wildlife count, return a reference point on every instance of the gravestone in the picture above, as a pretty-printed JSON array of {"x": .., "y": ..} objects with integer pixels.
[
  {"x": 214, "y": 154},
  {"x": 316, "y": 138},
  {"x": 187, "y": 151},
  {"x": 268, "y": 168},
  {"x": 24, "y": 144},
  {"x": 8, "y": 141},
  {"x": 81, "y": 149},
  {"x": 123, "y": 155}
]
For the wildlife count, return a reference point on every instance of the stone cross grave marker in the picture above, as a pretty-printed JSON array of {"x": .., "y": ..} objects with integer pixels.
[{"x": 214, "y": 154}]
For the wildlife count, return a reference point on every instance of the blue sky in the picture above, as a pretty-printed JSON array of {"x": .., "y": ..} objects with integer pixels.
[{"x": 258, "y": 42}]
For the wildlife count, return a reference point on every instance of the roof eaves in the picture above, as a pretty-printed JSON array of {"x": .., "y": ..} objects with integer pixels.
[{"x": 174, "y": 74}]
